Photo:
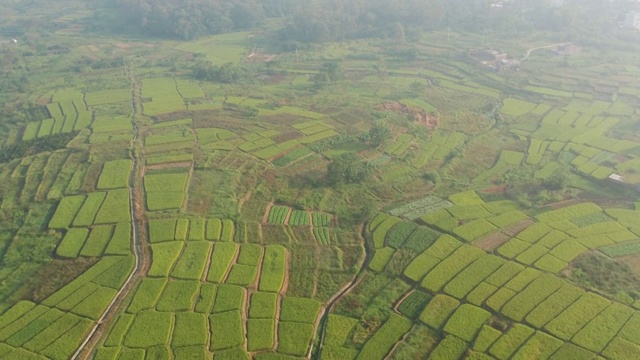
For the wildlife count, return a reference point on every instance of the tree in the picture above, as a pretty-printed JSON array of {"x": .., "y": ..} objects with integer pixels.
[
  {"x": 348, "y": 168},
  {"x": 379, "y": 133}
]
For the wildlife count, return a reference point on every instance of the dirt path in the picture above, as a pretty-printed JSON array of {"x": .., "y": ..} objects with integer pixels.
[
  {"x": 265, "y": 217},
  {"x": 138, "y": 236},
  {"x": 542, "y": 47},
  {"x": 345, "y": 290}
]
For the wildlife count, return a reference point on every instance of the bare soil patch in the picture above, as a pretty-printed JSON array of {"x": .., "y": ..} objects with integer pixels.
[
  {"x": 492, "y": 241},
  {"x": 420, "y": 116}
]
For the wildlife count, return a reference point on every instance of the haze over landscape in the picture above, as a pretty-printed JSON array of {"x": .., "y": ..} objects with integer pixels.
[{"x": 327, "y": 179}]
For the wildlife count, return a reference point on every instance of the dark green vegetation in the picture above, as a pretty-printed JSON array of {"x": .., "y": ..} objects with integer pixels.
[{"x": 368, "y": 155}]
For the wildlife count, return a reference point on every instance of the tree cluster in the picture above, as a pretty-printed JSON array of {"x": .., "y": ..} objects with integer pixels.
[
  {"x": 189, "y": 19},
  {"x": 348, "y": 168},
  {"x": 226, "y": 73}
]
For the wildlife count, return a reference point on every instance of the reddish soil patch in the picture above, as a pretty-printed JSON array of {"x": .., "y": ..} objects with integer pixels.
[
  {"x": 494, "y": 189},
  {"x": 421, "y": 117},
  {"x": 169, "y": 165},
  {"x": 517, "y": 228},
  {"x": 492, "y": 241},
  {"x": 561, "y": 204}
]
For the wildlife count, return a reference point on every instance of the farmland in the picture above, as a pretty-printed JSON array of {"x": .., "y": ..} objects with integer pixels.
[{"x": 396, "y": 194}]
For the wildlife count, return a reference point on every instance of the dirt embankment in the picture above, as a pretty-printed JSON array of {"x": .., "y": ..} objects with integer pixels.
[{"x": 420, "y": 116}]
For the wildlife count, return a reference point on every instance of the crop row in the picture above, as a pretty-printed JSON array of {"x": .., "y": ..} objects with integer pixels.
[
  {"x": 322, "y": 235},
  {"x": 278, "y": 214},
  {"x": 299, "y": 218}
]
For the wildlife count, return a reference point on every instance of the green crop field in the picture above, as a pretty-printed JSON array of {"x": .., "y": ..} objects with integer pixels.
[{"x": 255, "y": 180}]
